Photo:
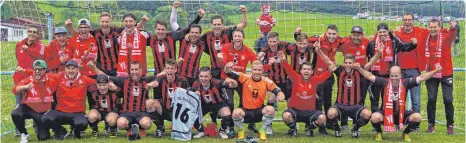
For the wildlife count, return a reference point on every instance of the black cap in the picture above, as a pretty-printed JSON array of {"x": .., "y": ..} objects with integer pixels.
[
  {"x": 71, "y": 62},
  {"x": 382, "y": 26},
  {"x": 356, "y": 29},
  {"x": 102, "y": 78}
]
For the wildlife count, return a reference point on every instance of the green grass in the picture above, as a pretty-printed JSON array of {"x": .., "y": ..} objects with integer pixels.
[{"x": 313, "y": 24}]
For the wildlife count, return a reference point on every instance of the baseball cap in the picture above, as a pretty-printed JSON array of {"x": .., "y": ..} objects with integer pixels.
[
  {"x": 71, "y": 62},
  {"x": 40, "y": 63},
  {"x": 61, "y": 30},
  {"x": 102, "y": 78},
  {"x": 356, "y": 29},
  {"x": 84, "y": 21},
  {"x": 382, "y": 26}
]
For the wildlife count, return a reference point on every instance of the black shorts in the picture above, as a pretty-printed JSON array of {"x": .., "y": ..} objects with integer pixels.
[
  {"x": 134, "y": 117},
  {"x": 214, "y": 108},
  {"x": 304, "y": 115},
  {"x": 289, "y": 86},
  {"x": 166, "y": 114},
  {"x": 351, "y": 111},
  {"x": 397, "y": 116},
  {"x": 103, "y": 114},
  {"x": 253, "y": 115}
]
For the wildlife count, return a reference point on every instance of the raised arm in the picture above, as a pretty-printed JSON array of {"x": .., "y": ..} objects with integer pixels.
[
  {"x": 319, "y": 52},
  {"x": 401, "y": 46},
  {"x": 376, "y": 57},
  {"x": 141, "y": 24},
  {"x": 244, "y": 17},
  {"x": 200, "y": 14},
  {"x": 368, "y": 75},
  {"x": 91, "y": 65},
  {"x": 228, "y": 71},
  {"x": 230, "y": 83},
  {"x": 173, "y": 16},
  {"x": 428, "y": 75},
  {"x": 70, "y": 28}
]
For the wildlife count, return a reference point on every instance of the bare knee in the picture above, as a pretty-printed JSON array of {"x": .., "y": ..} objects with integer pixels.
[
  {"x": 332, "y": 113},
  {"x": 376, "y": 117},
  {"x": 321, "y": 119},
  {"x": 145, "y": 123},
  {"x": 268, "y": 110},
  {"x": 122, "y": 123},
  {"x": 287, "y": 118},
  {"x": 238, "y": 113},
  {"x": 225, "y": 111},
  {"x": 150, "y": 105},
  {"x": 93, "y": 116},
  {"x": 111, "y": 118},
  {"x": 366, "y": 114},
  {"x": 415, "y": 117}
]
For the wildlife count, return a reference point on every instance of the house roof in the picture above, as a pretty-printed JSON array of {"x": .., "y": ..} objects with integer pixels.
[{"x": 13, "y": 25}]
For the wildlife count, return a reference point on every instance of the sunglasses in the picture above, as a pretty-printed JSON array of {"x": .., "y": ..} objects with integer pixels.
[
  {"x": 39, "y": 69},
  {"x": 29, "y": 31}
]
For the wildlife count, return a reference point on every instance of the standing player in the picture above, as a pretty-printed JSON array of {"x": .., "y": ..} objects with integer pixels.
[
  {"x": 240, "y": 55},
  {"x": 37, "y": 93},
  {"x": 210, "y": 91},
  {"x": 27, "y": 51},
  {"x": 438, "y": 52},
  {"x": 83, "y": 47},
  {"x": 71, "y": 102},
  {"x": 219, "y": 36},
  {"x": 394, "y": 100},
  {"x": 57, "y": 54},
  {"x": 253, "y": 91},
  {"x": 160, "y": 108},
  {"x": 412, "y": 62},
  {"x": 107, "y": 41},
  {"x": 104, "y": 105},
  {"x": 387, "y": 60},
  {"x": 265, "y": 21},
  {"x": 163, "y": 42},
  {"x": 132, "y": 44},
  {"x": 135, "y": 90},
  {"x": 303, "y": 100}
]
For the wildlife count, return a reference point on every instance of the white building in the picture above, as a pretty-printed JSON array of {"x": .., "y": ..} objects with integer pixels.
[{"x": 12, "y": 32}]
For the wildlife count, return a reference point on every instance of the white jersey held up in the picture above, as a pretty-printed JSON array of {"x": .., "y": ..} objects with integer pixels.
[{"x": 186, "y": 110}]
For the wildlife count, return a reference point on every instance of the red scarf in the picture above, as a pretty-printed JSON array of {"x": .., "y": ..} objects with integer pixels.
[
  {"x": 437, "y": 59},
  {"x": 387, "y": 54},
  {"x": 126, "y": 52},
  {"x": 68, "y": 81},
  {"x": 388, "y": 122}
]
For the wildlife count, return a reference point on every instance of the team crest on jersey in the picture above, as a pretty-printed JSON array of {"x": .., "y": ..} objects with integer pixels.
[
  {"x": 33, "y": 91},
  {"x": 161, "y": 47},
  {"x": 170, "y": 92},
  {"x": 349, "y": 83},
  {"x": 208, "y": 98},
  {"x": 136, "y": 90},
  {"x": 363, "y": 47},
  {"x": 255, "y": 93},
  {"x": 302, "y": 59},
  {"x": 192, "y": 49},
  {"x": 123, "y": 65},
  {"x": 107, "y": 43},
  {"x": 218, "y": 45},
  {"x": 103, "y": 103}
]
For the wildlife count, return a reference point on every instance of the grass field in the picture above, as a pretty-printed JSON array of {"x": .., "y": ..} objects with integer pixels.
[{"x": 313, "y": 24}]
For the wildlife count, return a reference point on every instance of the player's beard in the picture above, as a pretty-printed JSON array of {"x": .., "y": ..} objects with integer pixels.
[{"x": 217, "y": 30}]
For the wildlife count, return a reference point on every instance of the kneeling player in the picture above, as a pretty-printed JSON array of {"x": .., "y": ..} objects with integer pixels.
[
  {"x": 394, "y": 99},
  {"x": 210, "y": 91},
  {"x": 159, "y": 108},
  {"x": 302, "y": 103},
  {"x": 135, "y": 94},
  {"x": 254, "y": 90},
  {"x": 104, "y": 105}
]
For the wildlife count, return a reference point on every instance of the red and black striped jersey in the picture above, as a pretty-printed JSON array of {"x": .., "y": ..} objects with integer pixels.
[
  {"x": 298, "y": 58},
  {"x": 275, "y": 72},
  {"x": 103, "y": 102},
  {"x": 213, "y": 94},
  {"x": 214, "y": 44},
  {"x": 162, "y": 50},
  {"x": 350, "y": 87},
  {"x": 134, "y": 93},
  {"x": 107, "y": 49},
  {"x": 191, "y": 53},
  {"x": 165, "y": 90}
]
